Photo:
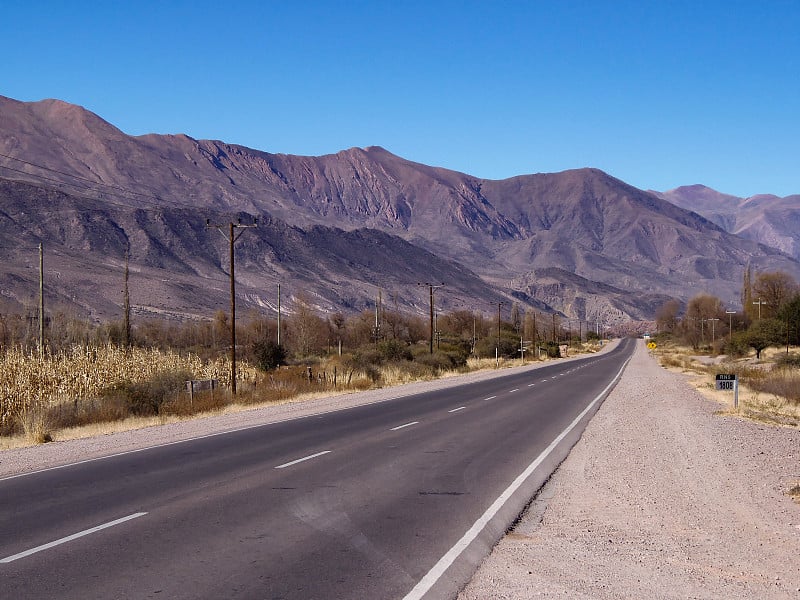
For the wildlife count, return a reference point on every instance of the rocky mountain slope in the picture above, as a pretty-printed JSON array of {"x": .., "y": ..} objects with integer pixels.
[
  {"x": 767, "y": 219},
  {"x": 341, "y": 226}
]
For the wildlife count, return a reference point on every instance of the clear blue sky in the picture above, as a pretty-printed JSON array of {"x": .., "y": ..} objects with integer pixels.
[{"x": 659, "y": 94}]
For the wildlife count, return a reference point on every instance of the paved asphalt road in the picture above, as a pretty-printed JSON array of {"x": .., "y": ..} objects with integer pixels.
[{"x": 365, "y": 503}]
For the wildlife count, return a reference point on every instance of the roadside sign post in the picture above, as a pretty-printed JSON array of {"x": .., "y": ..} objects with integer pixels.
[{"x": 728, "y": 381}]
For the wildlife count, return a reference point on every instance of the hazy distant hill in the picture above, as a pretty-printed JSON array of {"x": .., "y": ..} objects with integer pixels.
[
  {"x": 579, "y": 241},
  {"x": 764, "y": 218}
]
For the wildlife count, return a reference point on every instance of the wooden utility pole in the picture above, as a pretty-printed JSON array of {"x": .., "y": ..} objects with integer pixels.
[
  {"x": 41, "y": 300},
  {"x": 231, "y": 237},
  {"x": 497, "y": 348},
  {"x": 127, "y": 304},
  {"x": 279, "y": 314},
  {"x": 432, "y": 287}
]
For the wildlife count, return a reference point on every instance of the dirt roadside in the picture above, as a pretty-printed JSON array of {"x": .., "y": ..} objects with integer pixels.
[{"x": 661, "y": 498}]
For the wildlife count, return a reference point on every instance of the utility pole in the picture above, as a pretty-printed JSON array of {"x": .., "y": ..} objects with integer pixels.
[
  {"x": 473, "y": 332},
  {"x": 554, "y": 328},
  {"x": 41, "y": 300},
  {"x": 127, "y": 302},
  {"x": 713, "y": 323},
  {"x": 787, "y": 331},
  {"x": 432, "y": 287},
  {"x": 497, "y": 347},
  {"x": 730, "y": 314},
  {"x": 279, "y": 314},
  {"x": 378, "y": 317},
  {"x": 760, "y": 303},
  {"x": 232, "y": 237}
]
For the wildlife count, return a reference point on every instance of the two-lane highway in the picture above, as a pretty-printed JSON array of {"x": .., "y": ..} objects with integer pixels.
[{"x": 399, "y": 499}]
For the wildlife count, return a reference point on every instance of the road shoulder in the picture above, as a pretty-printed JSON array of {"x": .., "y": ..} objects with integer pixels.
[{"x": 661, "y": 497}]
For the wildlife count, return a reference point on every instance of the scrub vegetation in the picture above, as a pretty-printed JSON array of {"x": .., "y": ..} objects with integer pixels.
[
  {"x": 760, "y": 344},
  {"x": 89, "y": 374}
]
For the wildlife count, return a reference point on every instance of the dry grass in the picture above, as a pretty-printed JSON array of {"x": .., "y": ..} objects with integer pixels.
[
  {"x": 72, "y": 394},
  {"x": 766, "y": 394}
]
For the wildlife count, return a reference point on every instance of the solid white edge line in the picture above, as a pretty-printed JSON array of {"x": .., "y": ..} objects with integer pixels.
[
  {"x": 69, "y": 538},
  {"x": 457, "y": 409},
  {"x": 405, "y": 425},
  {"x": 305, "y": 458},
  {"x": 426, "y": 583}
]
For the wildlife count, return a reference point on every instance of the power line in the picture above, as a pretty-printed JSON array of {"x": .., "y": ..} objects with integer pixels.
[
  {"x": 155, "y": 200},
  {"x": 91, "y": 181}
]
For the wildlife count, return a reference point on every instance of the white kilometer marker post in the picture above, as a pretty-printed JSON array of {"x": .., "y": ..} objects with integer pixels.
[
  {"x": 69, "y": 538},
  {"x": 305, "y": 458}
]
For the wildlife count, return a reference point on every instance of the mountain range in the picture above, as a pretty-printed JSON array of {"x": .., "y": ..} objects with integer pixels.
[
  {"x": 765, "y": 218},
  {"x": 337, "y": 229}
]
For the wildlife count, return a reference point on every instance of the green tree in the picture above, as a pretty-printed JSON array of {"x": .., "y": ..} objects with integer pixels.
[
  {"x": 763, "y": 334},
  {"x": 790, "y": 317}
]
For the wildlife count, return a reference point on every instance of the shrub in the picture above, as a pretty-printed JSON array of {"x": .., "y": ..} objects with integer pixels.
[
  {"x": 393, "y": 350},
  {"x": 144, "y": 398},
  {"x": 486, "y": 347},
  {"x": 362, "y": 361},
  {"x": 737, "y": 345},
  {"x": 553, "y": 351},
  {"x": 438, "y": 361},
  {"x": 269, "y": 355},
  {"x": 457, "y": 351},
  {"x": 788, "y": 360}
]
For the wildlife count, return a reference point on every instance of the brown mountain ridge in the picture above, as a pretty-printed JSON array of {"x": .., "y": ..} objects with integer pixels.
[{"x": 339, "y": 227}]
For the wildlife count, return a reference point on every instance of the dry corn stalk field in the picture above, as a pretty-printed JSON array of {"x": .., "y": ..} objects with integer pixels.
[{"x": 29, "y": 382}]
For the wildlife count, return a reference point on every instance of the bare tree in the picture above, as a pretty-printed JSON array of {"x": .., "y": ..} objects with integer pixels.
[
  {"x": 307, "y": 331},
  {"x": 667, "y": 315},
  {"x": 773, "y": 289}
]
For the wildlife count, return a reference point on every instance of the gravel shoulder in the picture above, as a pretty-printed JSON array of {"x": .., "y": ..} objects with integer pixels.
[{"x": 661, "y": 498}]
